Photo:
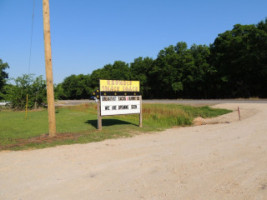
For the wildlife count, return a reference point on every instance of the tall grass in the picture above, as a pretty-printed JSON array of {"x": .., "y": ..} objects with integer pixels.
[{"x": 167, "y": 115}]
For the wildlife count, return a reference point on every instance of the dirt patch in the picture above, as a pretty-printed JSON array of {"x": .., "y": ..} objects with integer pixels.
[
  {"x": 199, "y": 121},
  {"x": 245, "y": 112},
  {"x": 41, "y": 139},
  {"x": 202, "y": 121}
]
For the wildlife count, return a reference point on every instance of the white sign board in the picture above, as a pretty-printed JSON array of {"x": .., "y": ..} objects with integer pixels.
[{"x": 119, "y": 105}]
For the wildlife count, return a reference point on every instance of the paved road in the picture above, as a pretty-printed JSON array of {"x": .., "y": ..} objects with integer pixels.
[{"x": 169, "y": 101}]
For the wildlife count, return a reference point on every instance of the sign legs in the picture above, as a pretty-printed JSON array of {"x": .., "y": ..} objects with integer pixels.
[
  {"x": 99, "y": 118},
  {"x": 140, "y": 115}
]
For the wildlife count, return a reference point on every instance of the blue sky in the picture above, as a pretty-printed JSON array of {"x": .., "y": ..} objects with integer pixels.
[{"x": 87, "y": 34}]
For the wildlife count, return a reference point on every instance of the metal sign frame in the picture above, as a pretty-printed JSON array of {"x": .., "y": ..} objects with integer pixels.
[{"x": 113, "y": 100}]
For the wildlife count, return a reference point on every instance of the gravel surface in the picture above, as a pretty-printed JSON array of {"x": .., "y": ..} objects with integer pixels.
[{"x": 225, "y": 159}]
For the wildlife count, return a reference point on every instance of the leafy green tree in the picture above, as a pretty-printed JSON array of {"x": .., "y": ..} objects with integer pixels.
[
  {"x": 96, "y": 76},
  {"x": 239, "y": 56},
  {"x": 38, "y": 92},
  {"x": 27, "y": 85},
  {"x": 165, "y": 79},
  {"x": 77, "y": 87},
  {"x": 171, "y": 75},
  {"x": 59, "y": 92},
  {"x": 179, "y": 72},
  {"x": 140, "y": 70},
  {"x": 119, "y": 70},
  {"x": 186, "y": 69},
  {"x": 201, "y": 72},
  {"x": 3, "y": 76},
  {"x": 262, "y": 57},
  {"x": 262, "y": 25}
]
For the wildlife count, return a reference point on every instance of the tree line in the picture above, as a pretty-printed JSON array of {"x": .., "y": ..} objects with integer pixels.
[{"x": 234, "y": 66}]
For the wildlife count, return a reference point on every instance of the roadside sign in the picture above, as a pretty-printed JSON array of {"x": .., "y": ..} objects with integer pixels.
[{"x": 118, "y": 97}]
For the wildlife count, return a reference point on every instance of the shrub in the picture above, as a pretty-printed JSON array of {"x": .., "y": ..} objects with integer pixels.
[{"x": 26, "y": 85}]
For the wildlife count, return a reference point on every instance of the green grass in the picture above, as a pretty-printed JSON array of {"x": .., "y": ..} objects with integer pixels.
[{"x": 77, "y": 124}]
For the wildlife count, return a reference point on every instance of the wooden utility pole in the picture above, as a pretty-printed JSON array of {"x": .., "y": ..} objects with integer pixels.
[{"x": 48, "y": 69}]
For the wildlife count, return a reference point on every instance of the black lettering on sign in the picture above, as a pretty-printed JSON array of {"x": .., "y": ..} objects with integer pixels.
[
  {"x": 122, "y": 98},
  {"x": 123, "y": 107},
  {"x": 134, "y": 106},
  {"x": 109, "y": 98},
  {"x": 107, "y": 108}
]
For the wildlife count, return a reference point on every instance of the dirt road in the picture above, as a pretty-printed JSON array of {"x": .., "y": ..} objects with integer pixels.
[{"x": 226, "y": 160}]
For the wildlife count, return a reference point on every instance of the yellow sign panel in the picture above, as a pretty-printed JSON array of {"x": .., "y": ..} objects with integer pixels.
[{"x": 119, "y": 86}]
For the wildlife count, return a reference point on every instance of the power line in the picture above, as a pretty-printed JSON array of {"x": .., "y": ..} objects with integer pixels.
[{"x": 29, "y": 65}]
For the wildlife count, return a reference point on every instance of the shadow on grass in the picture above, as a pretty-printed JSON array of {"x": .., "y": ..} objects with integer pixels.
[{"x": 108, "y": 122}]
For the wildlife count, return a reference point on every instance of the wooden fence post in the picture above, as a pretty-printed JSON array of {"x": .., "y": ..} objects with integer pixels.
[{"x": 238, "y": 110}]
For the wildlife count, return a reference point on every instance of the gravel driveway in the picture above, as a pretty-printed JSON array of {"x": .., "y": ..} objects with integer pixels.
[{"x": 226, "y": 159}]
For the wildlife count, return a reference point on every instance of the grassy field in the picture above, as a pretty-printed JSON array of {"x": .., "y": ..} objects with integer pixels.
[{"x": 77, "y": 124}]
